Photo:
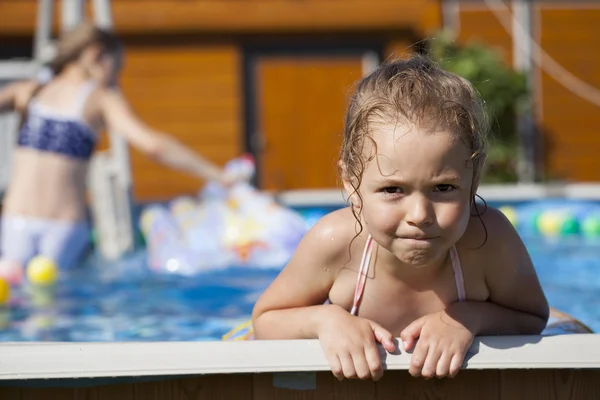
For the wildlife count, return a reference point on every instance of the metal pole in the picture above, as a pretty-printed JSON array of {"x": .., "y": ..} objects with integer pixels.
[
  {"x": 103, "y": 13},
  {"x": 43, "y": 33},
  {"x": 118, "y": 147},
  {"x": 522, "y": 61},
  {"x": 370, "y": 62},
  {"x": 451, "y": 17},
  {"x": 119, "y": 166},
  {"x": 72, "y": 13}
]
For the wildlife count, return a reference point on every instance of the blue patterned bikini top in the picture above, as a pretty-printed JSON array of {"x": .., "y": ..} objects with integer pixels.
[{"x": 61, "y": 132}]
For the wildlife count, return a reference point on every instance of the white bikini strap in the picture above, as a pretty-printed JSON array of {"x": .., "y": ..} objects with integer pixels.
[{"x": 81, "y": 98}]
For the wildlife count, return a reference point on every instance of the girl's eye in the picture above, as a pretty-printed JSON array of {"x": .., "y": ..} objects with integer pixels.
[
  {"x": 444, "y": 188},
  {"x": 391, "y": 190}
]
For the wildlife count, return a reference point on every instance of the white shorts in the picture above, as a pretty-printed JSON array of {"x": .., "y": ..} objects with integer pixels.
[{"x": 23, "y": 238}]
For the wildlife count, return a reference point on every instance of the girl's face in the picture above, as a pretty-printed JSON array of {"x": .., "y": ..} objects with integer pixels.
[{"x": 415, "y": 192}]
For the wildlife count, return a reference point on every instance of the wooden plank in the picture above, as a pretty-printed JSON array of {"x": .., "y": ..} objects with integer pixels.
[
  {"x": 165, "y": 389},
  {"x": 471, "y": 384},
  {"x": 327, "y": 387},
  {"x": 10, "y": 393},
  {"x": 243, "y": 16},
  {"x": 399, "y": 47},
  {"x": 467, "y": 385},
  {"x": 113, "y": 392},
  {"x": 215, "y": 387},
  {"x": 549, "y": 385},
  {"x": 191, "y": 92},
  {"x": 570, "y": 123},
  {"x": 482, "y": 26},
  {"x": 572, "y": 5},
  {"x": 350, "y": 389},
  {"x": 43, "y": 393},
  {"x": 264, "y": 389},
  {"x": 301, "y": 105}
]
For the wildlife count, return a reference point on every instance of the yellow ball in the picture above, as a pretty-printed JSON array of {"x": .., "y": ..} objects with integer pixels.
[
  {"x": 41, "y": 271},
  {"x": 549, "y": 224},
  {"x": 510, "y": 214},
  {"x": 4, "y": 291}
]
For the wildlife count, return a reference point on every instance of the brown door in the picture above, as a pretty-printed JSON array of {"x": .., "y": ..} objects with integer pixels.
[{"x": 300, "y": 106}]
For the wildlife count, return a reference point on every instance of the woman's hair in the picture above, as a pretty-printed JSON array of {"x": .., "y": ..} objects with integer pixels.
[
  {"x": 73, "y": 42},
  {"x": 418, "y": 92}
]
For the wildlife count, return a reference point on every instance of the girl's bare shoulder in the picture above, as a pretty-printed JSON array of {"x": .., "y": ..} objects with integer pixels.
[
  {"x": 488, "y": 240},
  {"x": 487, "y": 226},
  {"x": 334, "y": 236}
]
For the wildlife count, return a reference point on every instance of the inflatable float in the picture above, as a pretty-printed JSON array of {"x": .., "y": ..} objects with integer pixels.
[
  {"x": 554, "y": 219},
  {"x": 220, "y": 228}
]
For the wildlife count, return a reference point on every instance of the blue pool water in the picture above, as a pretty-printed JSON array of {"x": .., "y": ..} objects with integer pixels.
[{"x": 122, "y": 302}]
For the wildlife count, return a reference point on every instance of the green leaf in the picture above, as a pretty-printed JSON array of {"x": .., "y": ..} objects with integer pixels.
[{"x": 504, "y": 91}]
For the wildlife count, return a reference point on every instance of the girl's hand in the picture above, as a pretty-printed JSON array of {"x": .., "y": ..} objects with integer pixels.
[
  {"x": 350, "y": 344},
  {"x": 441, "y": 348}
]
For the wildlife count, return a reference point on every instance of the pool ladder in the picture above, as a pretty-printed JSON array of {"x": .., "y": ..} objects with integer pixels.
[{"x": 109, "y": 179}]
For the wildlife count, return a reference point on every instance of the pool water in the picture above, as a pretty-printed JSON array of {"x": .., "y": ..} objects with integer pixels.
[
  {"x": 122, "y": 301},
  {"x": 569, "y": 272}
]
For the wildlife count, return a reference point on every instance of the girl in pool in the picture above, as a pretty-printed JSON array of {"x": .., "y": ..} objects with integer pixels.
[
  {"x": 413, "y": 256},
  {"x": 44, "y": 206}
]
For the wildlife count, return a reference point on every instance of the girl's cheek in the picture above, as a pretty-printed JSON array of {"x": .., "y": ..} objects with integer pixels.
[
  {"x": 383, "y": 217},
  {"x": 452, "y": 216}
]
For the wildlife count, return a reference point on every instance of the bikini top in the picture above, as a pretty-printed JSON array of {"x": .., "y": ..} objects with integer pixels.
[
  {"x": 60, "y": 132},
  {"x": 364, "y": 270}
]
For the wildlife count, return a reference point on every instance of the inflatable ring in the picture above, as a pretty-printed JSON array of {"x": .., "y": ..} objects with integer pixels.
[
  {"x": 243, "y": 331},
  {"x": 561, "y": 323}
]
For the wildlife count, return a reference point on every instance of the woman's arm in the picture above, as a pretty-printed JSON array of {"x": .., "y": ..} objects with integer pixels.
[
  {"x": 119, "y": 116},
  {"x": 8, "y": 95},
  {"x": 13, "y": 94}
]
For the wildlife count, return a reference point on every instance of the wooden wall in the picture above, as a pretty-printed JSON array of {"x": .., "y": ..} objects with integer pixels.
[
  {"x": 477, "y": 23},
  {"x": 469, "y": 384},
  {"x": 184, "y": 70},
  {"x": 243, "y": 16},
  {"x": 187, "y": 90},
  {"x": 568, "y": 126},
  {"x": 190, "y": 82}
]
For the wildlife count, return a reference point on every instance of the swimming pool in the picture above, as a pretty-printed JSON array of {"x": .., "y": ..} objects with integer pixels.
[{"x": 123, "y": 302}]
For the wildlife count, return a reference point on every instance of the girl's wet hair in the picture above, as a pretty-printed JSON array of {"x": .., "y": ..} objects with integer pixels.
[
  {"x": 414, "y": 91},
  {"x": 73, "y": 42}
]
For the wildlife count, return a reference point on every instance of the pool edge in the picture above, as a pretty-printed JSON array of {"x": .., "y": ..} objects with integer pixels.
[{"x": 43, "y": 360}]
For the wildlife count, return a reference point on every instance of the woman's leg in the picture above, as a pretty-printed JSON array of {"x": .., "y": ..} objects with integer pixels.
[
  {"x": 18, "y": 244},
  {"x": 65, "y": 242}
]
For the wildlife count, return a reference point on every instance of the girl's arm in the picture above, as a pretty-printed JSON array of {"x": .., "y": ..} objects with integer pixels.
[
  {"x": 517, "y": 304},
  {"x": 118, "y": 116},
  {"x": 292, "y": 306}
]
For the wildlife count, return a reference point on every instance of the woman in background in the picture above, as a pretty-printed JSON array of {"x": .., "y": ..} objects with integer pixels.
[{"x": 44, "y": 210}]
